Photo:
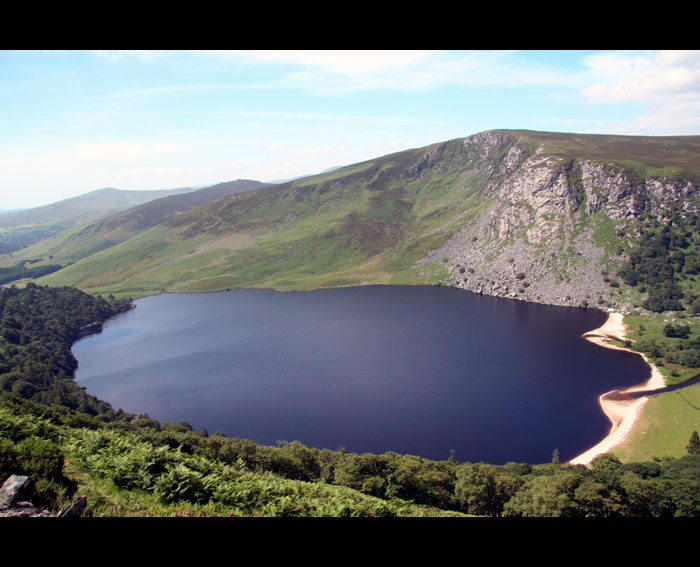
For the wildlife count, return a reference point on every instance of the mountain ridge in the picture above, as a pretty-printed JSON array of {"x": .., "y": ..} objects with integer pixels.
[
  {"x": 104, "y": 232},
  {"x": 516, "y": 207},
  {"x": 21, "y": 228}
]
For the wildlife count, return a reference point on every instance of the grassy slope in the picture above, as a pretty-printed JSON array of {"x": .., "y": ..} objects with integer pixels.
[
  {"x": 84, "y": 208},
  {"x": 367, "y": 223},
  {"x": 79, "y": 242},
  {"x": 664, "y": 427},
  {"x": 667, "y": 420}
]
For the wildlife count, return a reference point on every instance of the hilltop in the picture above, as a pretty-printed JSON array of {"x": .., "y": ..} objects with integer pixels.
[
  {"x": 85, "y": 239},
  {"x": 21, "y": 228}
]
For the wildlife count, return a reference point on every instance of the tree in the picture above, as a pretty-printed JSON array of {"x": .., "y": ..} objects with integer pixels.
[
  {"x": 484, "y": 489},
  {"x": 545, "y": 496},
  {"x": 693, "y": 446},
  {"x": 555, "y": 457}
]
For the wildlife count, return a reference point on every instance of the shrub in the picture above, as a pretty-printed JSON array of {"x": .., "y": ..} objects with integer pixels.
[{"x": 183, "y": 483}]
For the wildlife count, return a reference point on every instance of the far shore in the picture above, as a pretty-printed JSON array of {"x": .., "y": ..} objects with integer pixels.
[{"x": 621, "y": 412}]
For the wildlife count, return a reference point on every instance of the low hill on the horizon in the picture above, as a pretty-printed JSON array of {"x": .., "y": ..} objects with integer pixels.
[
  {"x": 23, "y": 227},
  {"x": 82, "y": 240}
]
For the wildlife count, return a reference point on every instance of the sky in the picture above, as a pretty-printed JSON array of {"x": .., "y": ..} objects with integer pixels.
[{"x": 75, "y": 121}]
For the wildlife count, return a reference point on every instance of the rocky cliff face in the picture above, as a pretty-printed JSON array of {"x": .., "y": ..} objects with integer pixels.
[{"x": 556, "y": 226}]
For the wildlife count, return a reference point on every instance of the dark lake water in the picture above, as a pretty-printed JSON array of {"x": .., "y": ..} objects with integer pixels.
[{"x": 410, "y": 369}]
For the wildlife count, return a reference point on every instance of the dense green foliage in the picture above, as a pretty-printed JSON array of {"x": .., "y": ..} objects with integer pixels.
[
  {"x": 664, "y": 253},
  {"x": 47, "y": 422},
  {"x": 665, "y": 257},
  {"x": 28, "y": 446},
  {"x": 693, "y": 446},
  {"x": 12, "y": 240},
  {"x": 176, "y": 465},
  {"x": 20, "y": 271},
  {"x": 38, "y": 326}
]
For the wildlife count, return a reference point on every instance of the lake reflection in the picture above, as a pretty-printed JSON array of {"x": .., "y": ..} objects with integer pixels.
[{"x": 410, "y": 369}]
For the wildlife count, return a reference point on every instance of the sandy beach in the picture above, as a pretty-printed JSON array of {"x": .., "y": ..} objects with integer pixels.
[{"x": 621, "y": 412}]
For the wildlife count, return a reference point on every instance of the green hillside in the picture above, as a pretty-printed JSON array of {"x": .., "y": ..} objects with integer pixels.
[
  {"x": 80, "y": 241},
  {"x": 412, "y": 217},
  {"x": 19, "y": 229},
  {"x": 366, "y": 223}
]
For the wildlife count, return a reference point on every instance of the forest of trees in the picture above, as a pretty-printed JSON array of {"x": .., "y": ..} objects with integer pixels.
[
  {"x": 43, "y": 414},
  {"x": 38, "y": 326},
  {"x": 20, "y": 271},
  {"x": 665, "y": 253}
]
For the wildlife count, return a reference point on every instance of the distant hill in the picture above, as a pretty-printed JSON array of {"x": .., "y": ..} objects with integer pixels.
[
  {"x": 85, "y": 208},
  {"x": 277, "y": 181},
  {"x": 70, "y": 245},
  {"x": 24, "y": 227}
]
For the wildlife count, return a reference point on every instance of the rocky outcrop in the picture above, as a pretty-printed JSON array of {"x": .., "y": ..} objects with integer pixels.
[
  {"x": 536, "y": 240},
  {"x": 12, "y": 507}
]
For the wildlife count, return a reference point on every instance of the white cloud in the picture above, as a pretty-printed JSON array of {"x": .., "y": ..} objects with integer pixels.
[
  {"x": 340, "y": 62},
  {"x": 160, "y": 172},
  {"x": 676, "y": 116},
  {"x": 317, "y": 150},
  {"x": 391, "y": 144},
  {"x": 167, "y": 176},
  {"x": 338, "y": 72},
  {"x": 113, "y": 151},
  {"x": 271, "y": 146},
  {"x": 666, "y": 83},
  {"x": 147, "y": 55},
  {"x": 624, "y": 77}
]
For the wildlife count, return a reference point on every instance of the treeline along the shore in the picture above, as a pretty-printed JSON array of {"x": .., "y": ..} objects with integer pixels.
[{"x": 46, "y": 419}]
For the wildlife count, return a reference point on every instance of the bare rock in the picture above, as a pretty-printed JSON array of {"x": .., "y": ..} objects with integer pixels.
[
  {"x": 11, "y": 506},
  {"x": 74, "y": 510},
  {"x": 12, "y": 489}
]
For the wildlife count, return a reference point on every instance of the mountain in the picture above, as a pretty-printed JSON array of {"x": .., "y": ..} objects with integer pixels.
[
  {"x": 25, "y": 226},
  {"x": 84, "y": 240},
  {"x": 277, "y": 181},
  {"x": 529, "y": 215}
]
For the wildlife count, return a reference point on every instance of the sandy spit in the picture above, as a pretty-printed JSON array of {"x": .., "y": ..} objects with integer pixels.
[{"x": 621, "y": 411}]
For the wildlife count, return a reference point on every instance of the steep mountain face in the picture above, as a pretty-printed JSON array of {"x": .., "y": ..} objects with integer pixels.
[
  {"x": 528, "y": 215},
  {"x": 559, "y": 225}
]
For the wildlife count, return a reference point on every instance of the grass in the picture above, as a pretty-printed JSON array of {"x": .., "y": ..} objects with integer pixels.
[
  {"x": 649, "y": 155},
  {"x": 652, "y": 325},
  {"x": 122, "y": 476},
  {"x": 667, "y": 420},
  {"x": 368, "y": 223},
  {"x": 664, "y": 426}
]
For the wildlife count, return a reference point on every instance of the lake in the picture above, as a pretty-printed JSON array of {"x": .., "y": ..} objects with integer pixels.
[{"x": 410, "y": 369}]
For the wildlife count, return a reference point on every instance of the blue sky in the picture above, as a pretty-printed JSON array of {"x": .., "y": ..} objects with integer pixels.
[{"x": 75, "y": 121}]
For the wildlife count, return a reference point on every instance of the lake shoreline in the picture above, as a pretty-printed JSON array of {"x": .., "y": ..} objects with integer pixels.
[{"x": 622, "y": 410}]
